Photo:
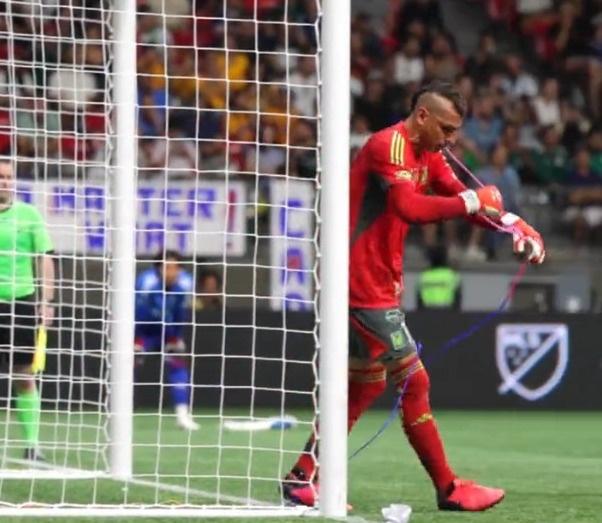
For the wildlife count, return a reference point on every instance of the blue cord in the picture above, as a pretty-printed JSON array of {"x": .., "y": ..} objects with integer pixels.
[{"x": 456, "y": 340}]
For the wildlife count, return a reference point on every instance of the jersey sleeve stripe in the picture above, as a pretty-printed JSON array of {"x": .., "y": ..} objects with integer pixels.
[
  {"x": 397, "y": 148},
  {"x": 402, "y": 145},
  {"x": 393, "y": 140}
]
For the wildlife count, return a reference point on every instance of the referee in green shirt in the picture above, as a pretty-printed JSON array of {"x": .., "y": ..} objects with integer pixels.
[{"x": 25, "y": 253}]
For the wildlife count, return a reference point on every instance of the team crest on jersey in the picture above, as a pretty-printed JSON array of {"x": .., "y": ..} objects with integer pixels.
[
  {"x": 414, "y": 174},
  {"x": 398, "y": 340},
  {"x": 404, "y": 175}
]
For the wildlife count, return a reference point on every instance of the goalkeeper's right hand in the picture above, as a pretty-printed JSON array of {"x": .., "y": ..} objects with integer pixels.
[{"x": 485, "y": 200}]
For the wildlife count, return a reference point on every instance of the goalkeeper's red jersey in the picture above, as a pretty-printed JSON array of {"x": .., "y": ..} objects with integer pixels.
[{"x": 388, "y": 188}]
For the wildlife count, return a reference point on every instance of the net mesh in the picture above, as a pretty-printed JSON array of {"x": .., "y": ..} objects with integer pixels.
[{"x": 226, "y": 176}]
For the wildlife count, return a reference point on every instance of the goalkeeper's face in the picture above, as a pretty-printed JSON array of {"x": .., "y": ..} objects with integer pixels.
[
  {"x": 439, "y": 124},
  {"x": 171, "y": 270},
  {"x": 7, "y": 183}
]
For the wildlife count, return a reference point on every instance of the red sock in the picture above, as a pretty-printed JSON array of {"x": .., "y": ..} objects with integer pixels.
[
  {"x": 419, "y": 424},
  {"x": 365, "y": 385}
]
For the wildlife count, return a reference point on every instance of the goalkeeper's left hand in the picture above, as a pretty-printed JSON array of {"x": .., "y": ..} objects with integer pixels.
[{"x": 527, "y": 241}]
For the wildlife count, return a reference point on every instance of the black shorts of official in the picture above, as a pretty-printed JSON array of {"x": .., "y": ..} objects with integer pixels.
[
  {"x": 379, "y": 334},
  {"x": 18, "y": 321}
]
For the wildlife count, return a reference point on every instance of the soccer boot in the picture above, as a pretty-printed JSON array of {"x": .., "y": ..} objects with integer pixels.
[
  {"x": 187, "y": 423},
  {"x": 297, "y": 490},
  {"x": 468, "y": 496},
  {"x": 33, "y": 454},
  {"x": 184, "y": 419}
]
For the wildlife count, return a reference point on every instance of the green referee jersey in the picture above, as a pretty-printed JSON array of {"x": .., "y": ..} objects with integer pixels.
[{"x": 23, "y": 236}]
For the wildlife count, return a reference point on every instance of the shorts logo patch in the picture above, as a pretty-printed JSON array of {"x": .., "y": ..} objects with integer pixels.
[{"x": 398, "y": 340}]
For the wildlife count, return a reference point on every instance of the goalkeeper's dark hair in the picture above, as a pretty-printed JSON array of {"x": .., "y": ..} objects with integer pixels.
[
  {"x": 167, "y": 255},
  {"x": 444, "y": 89}
]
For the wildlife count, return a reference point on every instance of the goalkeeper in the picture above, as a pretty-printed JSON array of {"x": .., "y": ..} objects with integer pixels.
[
  {"x": 389, "y": 181},
  {"x": 24, "y": 242},
  {"x": 163, "y": 307}
]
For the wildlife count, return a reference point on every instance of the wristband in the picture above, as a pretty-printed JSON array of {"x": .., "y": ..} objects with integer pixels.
[{"x": 471, "y": 201}]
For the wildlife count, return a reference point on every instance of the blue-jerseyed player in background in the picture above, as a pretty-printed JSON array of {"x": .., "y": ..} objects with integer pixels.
[{"x": 163, "y": 308}]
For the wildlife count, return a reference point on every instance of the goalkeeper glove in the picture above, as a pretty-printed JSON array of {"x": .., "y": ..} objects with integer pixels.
[
  {"x": 525, "y": 238},
  {"x": 485, "y": 200}
]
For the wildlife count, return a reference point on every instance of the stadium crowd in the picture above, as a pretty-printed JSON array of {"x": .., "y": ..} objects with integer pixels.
[{"x": 243, "y": 86}]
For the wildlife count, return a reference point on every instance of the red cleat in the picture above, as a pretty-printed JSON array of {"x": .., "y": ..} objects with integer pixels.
[
  {"x": 468, "y": 496},
  {"x": 298, "y": 490}
]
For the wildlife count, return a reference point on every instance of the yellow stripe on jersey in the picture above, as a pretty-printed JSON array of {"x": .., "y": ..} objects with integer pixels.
[
  {"x": 393, "y": 139},
  {"x": 397, "y": 148},
  {"x": 402, "y": 146}
]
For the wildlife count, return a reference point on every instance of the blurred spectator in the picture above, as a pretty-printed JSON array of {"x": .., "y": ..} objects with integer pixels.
[
  {"x": 150, "y": 27},
  {"x": 304, "y": 86},
  {"x": 408, "y": 64},
  {"x": 575, "y": 127},
  {"x": 595, "y": 145},
  {"x": 550, "y": 164},
  {"x": 486, "y": 61},
  {"x": 360, "y": 132},
  {"x": 516, "y": 154},
  {"x": 425, "y": 12},
  {"x": 466, "y": 86},
  {"x": 443, "y": 61},
  {"x": 170, "y": 13},
  {"x": 505, "y": 177},
  {"x": 268, "y": 157},
  {"x": 208, "y": 101},
  {"x": 210, "y": 291},
  {"x": 374, "y": 105},
  {"x": 516, "y": 81},
  {"x": 521, "y": 113},
  {"x": 175, "y": 155},
  {"x": 584, "y": 212},
  {"x": 71, "y": 84},
  {"x": 547, "y": 104},
  {"x": 152, "y": 95},
  {"x": 484, "y": 127},
  {"x": 303, "y": 153}
]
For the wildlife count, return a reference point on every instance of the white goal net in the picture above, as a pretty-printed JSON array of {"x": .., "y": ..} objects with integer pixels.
[{"x": 215, "y": 337}]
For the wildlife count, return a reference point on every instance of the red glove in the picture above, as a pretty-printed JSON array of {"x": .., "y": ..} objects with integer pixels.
[
  {"x": 485, "y": 200},
  {"x": 523, "y": 236}
]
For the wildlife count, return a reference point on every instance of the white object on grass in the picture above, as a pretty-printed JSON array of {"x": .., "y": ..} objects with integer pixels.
[
  {"x": 272, "y": 423},
  {"x": 397, "y": 513}
]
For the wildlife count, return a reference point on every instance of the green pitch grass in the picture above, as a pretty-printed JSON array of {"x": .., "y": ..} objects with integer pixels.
[{"x": 549, "y": 463}]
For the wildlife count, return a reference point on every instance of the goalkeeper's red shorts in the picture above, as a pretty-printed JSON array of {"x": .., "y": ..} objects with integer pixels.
[{"x": 379, "y": 334}]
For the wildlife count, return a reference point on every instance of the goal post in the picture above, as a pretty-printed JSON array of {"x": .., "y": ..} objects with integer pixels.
[
  {"x": 217, "y": 130},
  {"x": 123, "y": 204},
  {"x": 334, "y": 205}
]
